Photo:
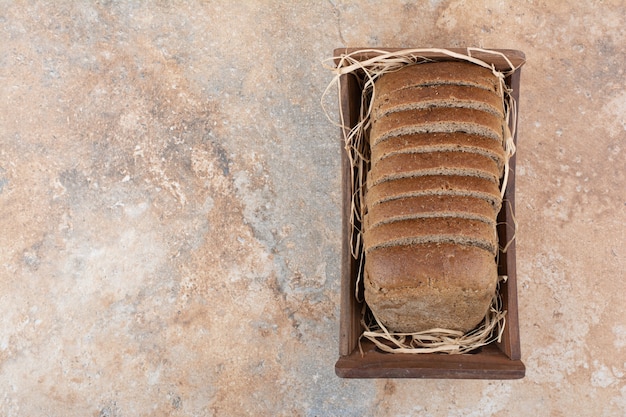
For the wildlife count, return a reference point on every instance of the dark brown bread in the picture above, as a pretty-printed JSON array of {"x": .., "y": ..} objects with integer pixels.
[
  {"x": 414, "y": 288},
  {"x": 437, "y": 73},
  {"x": 435, "y": 185},
  {"x": 430, "y": 206},
  {"x": 432, "y": 196},
  {"x": 406, "y": 165},
  {"x": 433, "y": 142},
  {"x": 437, "y": 119},
  {"x": 439, "y": 96},
  {"x": 435, "y": 229}
]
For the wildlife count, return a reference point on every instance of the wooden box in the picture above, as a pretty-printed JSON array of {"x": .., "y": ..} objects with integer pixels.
[{"x": 494, "y": 361}]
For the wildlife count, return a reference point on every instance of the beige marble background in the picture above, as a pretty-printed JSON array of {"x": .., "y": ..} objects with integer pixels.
[{"x": 170, "y": 195}]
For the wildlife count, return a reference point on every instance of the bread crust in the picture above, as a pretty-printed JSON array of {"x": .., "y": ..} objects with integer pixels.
[
  {"x": 414, "y": 288},
  {"x": 436, "y": 229},
  {"x": 430, "y": 206},
  {"x": 439, "y": 96},
  {"x": 434, "y": 185},
  {"x": 437, "y": 73},
  {"x": 403, "y": 165},
  {"x": 433, "y": 142},
  {"x": 437, "y": 119}
]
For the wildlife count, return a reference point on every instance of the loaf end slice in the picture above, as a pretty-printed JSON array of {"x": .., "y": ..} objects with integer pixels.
[
  {"x": 415, "y": 288},
  {"x": 437, "y": 73}
]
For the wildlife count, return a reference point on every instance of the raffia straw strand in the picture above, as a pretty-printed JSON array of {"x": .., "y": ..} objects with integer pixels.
[{"x": 515, "y": 226}]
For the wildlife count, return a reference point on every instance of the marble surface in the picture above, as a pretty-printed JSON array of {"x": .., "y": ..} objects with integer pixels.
[{"x": 170, "y": 196}]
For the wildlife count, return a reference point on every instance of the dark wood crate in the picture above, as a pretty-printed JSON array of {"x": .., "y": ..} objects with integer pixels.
[{"x": 495, "y": 361}]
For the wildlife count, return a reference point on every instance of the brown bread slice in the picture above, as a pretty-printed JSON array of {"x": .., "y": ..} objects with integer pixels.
[
  {"x": 430, "y": 142},
  {"x": 438, "y": 96},
  {"x": 437, "y": 119},
  {"x": 430, "y": 206},
  {"x": 406, "y": 165},
  {"x": 434, "y": 229},
  {"x": 434, "y": 185},
  {"x": 452, "y": 152},
  {"x": 418, "y": 287},
  {"x": 437, "y": 73}
]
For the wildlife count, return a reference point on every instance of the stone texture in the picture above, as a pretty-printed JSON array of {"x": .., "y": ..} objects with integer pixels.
[{"x": 169, "y": 190}]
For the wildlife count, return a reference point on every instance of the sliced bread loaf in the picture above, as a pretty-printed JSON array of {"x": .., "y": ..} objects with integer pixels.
[{"x": 432, "y": 195}]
